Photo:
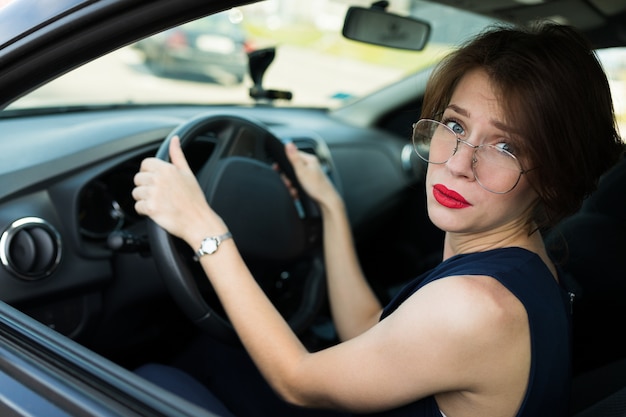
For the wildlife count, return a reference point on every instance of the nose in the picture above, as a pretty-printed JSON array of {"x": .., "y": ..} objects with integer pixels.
[{"x": 462, "y": 161}]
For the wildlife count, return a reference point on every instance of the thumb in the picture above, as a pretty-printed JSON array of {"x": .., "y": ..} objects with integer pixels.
[
  {"x": 292, "y": 152},
  {"x": 177, "y": 156}
]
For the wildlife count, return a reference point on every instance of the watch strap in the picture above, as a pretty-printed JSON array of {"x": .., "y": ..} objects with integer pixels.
[{"x": 216, "y": 239}]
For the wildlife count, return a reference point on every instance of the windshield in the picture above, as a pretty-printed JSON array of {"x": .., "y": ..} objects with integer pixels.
[{"x": 206, "y": 61}]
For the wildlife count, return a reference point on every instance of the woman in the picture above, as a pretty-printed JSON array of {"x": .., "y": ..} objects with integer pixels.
[{"x": 520, "y": 126}]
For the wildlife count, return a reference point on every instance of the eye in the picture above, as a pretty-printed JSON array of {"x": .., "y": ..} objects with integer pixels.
[
  {"x": 455, "y": 127},
  {"x": 504, "y": 146}
]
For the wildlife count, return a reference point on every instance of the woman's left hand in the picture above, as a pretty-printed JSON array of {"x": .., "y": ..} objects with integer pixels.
[{"x": 170, "y": 195}]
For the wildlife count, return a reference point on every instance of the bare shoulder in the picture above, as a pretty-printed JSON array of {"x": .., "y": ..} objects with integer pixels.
[
  {"x": 489, "y": 327},
  {"x": 474, "y": 305},
  {"x": 464, "y": 336},
  {"x": 478, "y": 326}
]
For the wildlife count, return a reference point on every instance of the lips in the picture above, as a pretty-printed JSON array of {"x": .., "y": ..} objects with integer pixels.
[{"x": 449, "y": 198}]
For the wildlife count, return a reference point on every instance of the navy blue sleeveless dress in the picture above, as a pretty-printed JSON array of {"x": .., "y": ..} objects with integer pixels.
[
  {"x": 548, "y": 309},
  {"x": 519, "y": 270}
]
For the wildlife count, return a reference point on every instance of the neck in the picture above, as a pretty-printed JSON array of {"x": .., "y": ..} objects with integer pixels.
[
  {"x": 525, "y": 236},
  {"x": 459, "y": 243}
]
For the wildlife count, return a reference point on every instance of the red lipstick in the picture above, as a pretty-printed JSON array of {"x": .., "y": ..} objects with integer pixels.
[{"x": 449, "y": 198}]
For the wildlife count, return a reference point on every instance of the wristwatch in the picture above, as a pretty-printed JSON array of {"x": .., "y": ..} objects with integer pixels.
[{"x": 210, "y": 244}]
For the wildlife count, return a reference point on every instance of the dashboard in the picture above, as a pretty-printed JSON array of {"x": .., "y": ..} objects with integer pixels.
[{"x": 70, "y": 238}]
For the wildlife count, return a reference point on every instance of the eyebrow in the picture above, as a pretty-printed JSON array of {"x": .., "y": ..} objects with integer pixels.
[
  {"x": 463, "y": 112},
  {"x": 459, "y": 110}
]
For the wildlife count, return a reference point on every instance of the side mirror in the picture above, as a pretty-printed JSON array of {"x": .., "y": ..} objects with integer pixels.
[{"x": 378, "y": 27}]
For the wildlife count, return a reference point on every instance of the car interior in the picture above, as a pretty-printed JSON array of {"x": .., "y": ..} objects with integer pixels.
[
  {"x": 593, "y": 258},
  {"x": 99, "y": 278}
]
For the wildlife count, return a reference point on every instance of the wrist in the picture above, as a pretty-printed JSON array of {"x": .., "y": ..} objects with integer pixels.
[
  {"x": 200, "y": 225},
  {"x": 211, "y": 244},
  {"x": 331, "y": 204}
]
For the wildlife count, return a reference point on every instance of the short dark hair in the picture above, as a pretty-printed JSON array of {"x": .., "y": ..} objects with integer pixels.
[{"x": 557, "y": 99}]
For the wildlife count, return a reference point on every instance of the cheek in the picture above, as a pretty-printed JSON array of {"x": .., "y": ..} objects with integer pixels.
[
  {"x": 520, "y": 204},
  {"x": 525, "y": 192},
  {"x": 432, "y": 173}
]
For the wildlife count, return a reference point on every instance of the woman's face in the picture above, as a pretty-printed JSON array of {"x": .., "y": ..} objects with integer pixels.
[{"x": 456, "y": 201}]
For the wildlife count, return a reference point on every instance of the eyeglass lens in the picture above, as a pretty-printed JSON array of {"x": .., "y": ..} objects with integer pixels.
[{"x": 495, "y": 169}]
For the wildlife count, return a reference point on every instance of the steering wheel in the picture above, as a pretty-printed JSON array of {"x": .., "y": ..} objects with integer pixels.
[{"x": 278, "y": 237}]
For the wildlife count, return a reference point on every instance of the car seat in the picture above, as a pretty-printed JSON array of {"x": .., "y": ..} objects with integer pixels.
[
  {"x": 590, "y": 246},
  {"x": 600, "y": 392}
]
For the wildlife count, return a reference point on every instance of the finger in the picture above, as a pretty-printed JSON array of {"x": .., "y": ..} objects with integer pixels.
[
  {"x": 177, "y": 156},
  {"x": 148, "y": 164},
  {"x": 140, "y": 178},
  {"x": 141, "y": 205},
  {"x": 137, "y": 193},
  {"x": 145, "y": 208},
  {"x": 285, "y": 179},
  {"x": 292, "y": 152}
]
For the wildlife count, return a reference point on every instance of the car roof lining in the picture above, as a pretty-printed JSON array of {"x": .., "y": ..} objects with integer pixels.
[{"x": 606, "y": 29}]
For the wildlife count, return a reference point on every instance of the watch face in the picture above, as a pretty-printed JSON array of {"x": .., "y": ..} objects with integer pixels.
[{"x": 209, "y": 245}]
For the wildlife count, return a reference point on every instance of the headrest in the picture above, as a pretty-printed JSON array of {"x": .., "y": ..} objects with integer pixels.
[{"x": 610, "y": 197}]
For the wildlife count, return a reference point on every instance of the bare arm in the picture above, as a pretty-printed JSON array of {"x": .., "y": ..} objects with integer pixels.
[
  {"x": 405, "y": 357},
  {"x": 354, "y": 306}
]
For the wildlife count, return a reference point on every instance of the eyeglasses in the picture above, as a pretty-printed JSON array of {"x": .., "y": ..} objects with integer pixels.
[{"x": 495, "y": 169}]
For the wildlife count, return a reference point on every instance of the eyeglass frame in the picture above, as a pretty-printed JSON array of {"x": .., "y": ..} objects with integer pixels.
[{"x": 475, "y": 148}]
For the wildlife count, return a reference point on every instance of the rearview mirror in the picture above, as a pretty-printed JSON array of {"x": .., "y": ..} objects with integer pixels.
[{"x": 378, "y": 27}]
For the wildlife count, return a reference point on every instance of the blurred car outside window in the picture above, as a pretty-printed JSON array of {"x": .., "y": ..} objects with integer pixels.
[{"x": 205, "y": 61}]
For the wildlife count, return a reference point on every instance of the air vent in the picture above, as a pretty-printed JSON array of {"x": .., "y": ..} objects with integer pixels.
[{"x": 30, "y": 248}]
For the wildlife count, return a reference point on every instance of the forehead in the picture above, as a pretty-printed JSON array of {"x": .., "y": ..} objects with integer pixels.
[
  {"x": 476, "y": 94},
  {"x": 479, "y": 99}
]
